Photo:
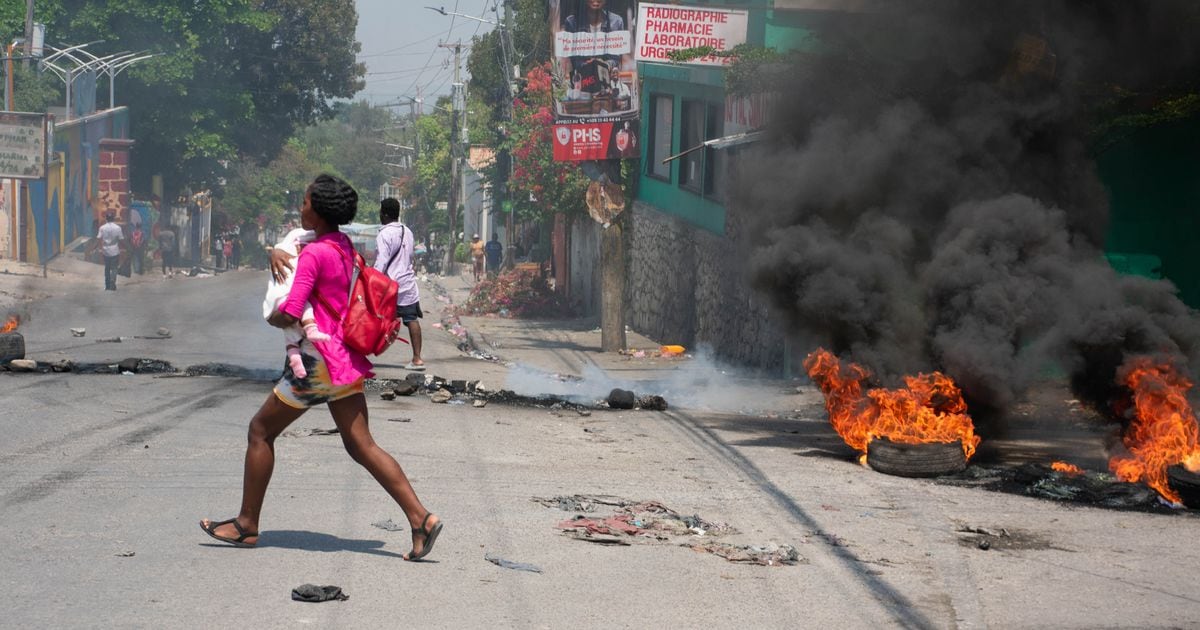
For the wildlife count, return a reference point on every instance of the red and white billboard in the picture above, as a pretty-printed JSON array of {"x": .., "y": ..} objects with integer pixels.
[
  {"x": 595, "y": 141},
  {"x": 664, "y": 28},
  {"x": 596, "y": 99}
]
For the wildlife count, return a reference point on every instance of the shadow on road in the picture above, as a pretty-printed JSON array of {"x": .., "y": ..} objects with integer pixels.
[{"x": 313, "y": 541}]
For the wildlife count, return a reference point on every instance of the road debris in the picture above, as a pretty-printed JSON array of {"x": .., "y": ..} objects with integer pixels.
[
  {"x": 621, "y": 399},
  {"x": 650, "y": 522},
  {"x": 767, "y": 556},
  {"x": 314, "y": 593},
  {"x": 441, "y": 396},
  {"x": 389, "y": 525},
  {"x": 299, "y": 433},
  {"x": 581, "y": 502},
  {"x": 509, "y": 564},
  {"x": 125, "y": 554},
  {"x": 23, "y": 365},
  {"x": 78, "y": 332},
  {"x": 399, "y": 419},
  {"x": 479, "y": 403}
]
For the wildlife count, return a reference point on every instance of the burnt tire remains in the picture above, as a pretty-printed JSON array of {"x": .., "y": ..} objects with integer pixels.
[
  {"x": 930, "y": 459},
  {"x": 1187, "y": 484},
  {"x": 12, "y": 346}
]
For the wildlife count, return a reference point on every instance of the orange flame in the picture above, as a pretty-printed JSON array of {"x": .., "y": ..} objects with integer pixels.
[
  {"x": 1064, "y": 467},
  {"x": 930, "y": 409},
  {"x": 11, "y": 324},
  {"x": 1163, "y": 432}
]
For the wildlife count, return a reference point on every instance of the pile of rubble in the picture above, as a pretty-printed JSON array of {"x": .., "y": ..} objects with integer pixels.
[{"x": 459, "y": 392}]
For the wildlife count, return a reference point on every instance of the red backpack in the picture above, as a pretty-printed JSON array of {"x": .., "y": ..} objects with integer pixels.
[{"x": 370, "y": 325}]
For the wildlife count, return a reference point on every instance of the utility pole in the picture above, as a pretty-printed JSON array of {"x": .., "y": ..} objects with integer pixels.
[
  {"x": 452, "y": 204},
  {"x": 504, "y": 158},
  {"x": 28, "y": 33}
]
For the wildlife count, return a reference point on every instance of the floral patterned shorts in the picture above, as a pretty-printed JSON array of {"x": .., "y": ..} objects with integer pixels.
[{"x": 314, "y": 389}]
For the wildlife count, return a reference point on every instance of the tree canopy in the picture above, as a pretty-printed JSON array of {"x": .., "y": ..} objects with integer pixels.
[{"x": 232, "y": 81}]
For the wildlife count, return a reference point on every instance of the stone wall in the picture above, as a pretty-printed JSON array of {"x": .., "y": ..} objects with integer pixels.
[{"x": 687, "y": 286}]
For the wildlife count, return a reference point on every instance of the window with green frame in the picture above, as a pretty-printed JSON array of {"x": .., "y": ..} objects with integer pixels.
[
  {"x": 662, "y": 115},
  {"x": 701, "y": 171}
]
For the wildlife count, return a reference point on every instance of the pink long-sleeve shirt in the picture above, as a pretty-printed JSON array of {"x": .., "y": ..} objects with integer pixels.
[{"x": 323, "y": 270}]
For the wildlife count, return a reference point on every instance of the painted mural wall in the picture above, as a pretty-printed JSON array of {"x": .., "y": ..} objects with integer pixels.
[{"x": 63, "y": 207}]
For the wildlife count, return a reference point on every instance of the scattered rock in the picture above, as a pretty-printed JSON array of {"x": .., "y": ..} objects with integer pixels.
[
  {"x": 388, "y": 395},
  {"x": 479, "y": 403},
  {"x": 62, "y": 365},
  {"x": 441, "y": 396},
  {"x": 389, "y": 525},
  {"x": 164, "y": 332},
  {"x": 652, "y": 403},
  {"x": 23, "y": 365},
  {"x": 405, "y": 388},
  {"x": 78, "y": 332},
  {"x": 621, "y": 399}
]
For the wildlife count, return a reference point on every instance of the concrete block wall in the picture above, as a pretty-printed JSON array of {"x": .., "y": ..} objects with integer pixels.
[
  {"x": 687, "y": 286},
  {"x": 113, "y": 176}
]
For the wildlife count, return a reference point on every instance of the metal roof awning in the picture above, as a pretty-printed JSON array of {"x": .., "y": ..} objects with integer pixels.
[{"x": 725, "y": 142}]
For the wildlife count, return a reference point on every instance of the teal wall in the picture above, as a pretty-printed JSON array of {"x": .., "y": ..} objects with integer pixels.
[
  {"x": 1153, "y": 179},
  {"x": 681, "y": 82}
]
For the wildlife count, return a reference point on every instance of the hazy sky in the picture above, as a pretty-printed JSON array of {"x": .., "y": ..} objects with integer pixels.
[{"x": 400, "y": 45}]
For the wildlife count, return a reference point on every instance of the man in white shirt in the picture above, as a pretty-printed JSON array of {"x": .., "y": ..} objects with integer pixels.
[
  {"x": 393, "y": 256},
  {"x": 110, "y": 239}
]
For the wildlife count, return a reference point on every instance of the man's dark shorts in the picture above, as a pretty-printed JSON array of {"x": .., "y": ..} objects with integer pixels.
[{"x": 409, "y": 313}]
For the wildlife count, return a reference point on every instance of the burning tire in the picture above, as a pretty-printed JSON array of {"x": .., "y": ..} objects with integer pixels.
[
  {"x": 1187, "y": 484},
  {"x": 929, "y": 459},
  {"x": 12, "y": 346}
]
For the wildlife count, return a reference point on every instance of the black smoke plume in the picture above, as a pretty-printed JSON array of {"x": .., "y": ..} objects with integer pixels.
[{"x": 930, "y": 201}]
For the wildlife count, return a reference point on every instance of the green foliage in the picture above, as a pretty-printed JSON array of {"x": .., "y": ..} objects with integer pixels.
[
  {"x": 540, "y": 185},
  {"x": 33, "y": 92},
  {"x": 350, "y": 146},
  {"x": 754, "y": 69},
  {"x": 233, "y": 79}
]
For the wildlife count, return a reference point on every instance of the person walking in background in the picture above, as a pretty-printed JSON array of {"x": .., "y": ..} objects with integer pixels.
[
  {"x": 495, "y": 252},
  {"x": 335, "y": 375},
  {"x": 236, "y": 251},
  {"x": 137, "y": 244},
  {"x": 227, "y": 252},
  {"x": 109, "y": 239},
  {"x": 166, "y": 247},
  {"x": 394, "y": 256},
  {"x": 477, "y": 256}
]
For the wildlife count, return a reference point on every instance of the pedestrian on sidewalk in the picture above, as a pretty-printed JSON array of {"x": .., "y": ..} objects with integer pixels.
[
  {"x": 335, "y": 376},
  {"x": 495, "y": 251},
  {"x": 394, "y": 256},
  {"x": 477, "y": 255},
  {"x": 109, "y": 238}
]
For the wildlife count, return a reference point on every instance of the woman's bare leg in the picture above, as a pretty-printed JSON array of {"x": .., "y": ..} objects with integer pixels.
[
  {"x": 350, "y": 415},
  {"x": 272, "y": 418}
]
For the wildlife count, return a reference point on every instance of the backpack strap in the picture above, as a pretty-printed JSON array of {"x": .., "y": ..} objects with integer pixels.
[{"x": 391, "y": 260}]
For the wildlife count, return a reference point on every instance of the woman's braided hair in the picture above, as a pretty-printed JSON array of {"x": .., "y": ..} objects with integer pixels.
[{"x": 333, "y": 199}]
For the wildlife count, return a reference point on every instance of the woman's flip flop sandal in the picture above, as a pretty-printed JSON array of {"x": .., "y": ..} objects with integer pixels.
[
  {"x": 240, "y": 541},
  {"x": 430, "y": 537}
]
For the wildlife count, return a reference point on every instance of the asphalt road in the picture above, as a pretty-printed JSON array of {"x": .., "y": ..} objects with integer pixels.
[{"x": 103, "y": 478}]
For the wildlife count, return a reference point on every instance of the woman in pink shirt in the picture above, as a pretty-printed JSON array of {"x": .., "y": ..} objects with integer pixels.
[{"x": 335, "y": 376}]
